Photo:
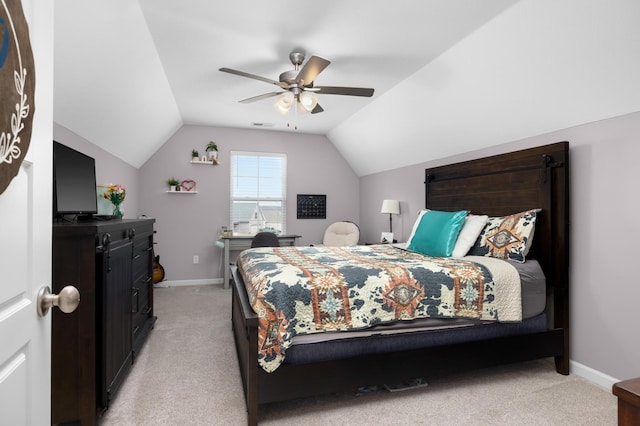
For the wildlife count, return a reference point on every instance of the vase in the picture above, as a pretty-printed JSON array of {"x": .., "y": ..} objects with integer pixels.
[{"x": 116, "y": 211}]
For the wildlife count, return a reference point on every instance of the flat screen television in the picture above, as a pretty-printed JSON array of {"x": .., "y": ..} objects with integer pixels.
[{"x": 74, "y": 183}]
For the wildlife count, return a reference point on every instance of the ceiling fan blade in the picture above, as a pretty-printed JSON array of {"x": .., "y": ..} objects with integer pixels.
[
  {"x": 314, "y": 66},
  {"x": 259, "y": 97},
  {"x": 255, "y": 77},
  {"x": 350, "y": 91},
  {"x": 317, "y": 109}
]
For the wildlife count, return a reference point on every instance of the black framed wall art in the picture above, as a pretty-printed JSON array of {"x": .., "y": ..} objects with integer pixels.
[{"x": 312, "y": 206}]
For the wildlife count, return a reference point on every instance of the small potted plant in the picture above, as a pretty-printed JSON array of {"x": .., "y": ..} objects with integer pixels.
[
  {"x": 173, "y": 183},
  {"x": 212, "y": 151},
  {"x": 195, "y": 155}
]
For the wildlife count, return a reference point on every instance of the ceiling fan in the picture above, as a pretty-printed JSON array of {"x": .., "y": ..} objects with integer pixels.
[{"x": 297, "y": 85}]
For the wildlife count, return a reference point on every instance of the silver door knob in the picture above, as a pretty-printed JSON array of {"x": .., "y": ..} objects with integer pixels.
[{"x": 67, "y": 300}]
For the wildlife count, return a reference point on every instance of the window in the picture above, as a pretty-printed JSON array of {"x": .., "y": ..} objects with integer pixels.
[{"x": 258, "y": 192}]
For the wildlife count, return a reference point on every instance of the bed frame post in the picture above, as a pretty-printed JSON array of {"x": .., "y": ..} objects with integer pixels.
[
  {"x": 252, "y": 380},
  {"x": 245, "y": 331},
  {"x": 558, "y": 171}
]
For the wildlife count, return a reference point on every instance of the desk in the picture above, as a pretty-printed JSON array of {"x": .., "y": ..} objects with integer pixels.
[{"x": 244, "y": 242}]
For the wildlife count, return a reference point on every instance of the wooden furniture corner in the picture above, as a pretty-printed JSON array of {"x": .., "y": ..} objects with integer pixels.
[{"x": 628, "y": 393}]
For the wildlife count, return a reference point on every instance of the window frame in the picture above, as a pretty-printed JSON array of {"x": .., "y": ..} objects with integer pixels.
[{"x": 259, "y": 198}]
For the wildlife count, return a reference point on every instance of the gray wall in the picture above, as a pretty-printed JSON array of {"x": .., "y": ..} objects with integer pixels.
[
  {"x": 188, "y": 225},
  {"x": 604, "y": 233}
]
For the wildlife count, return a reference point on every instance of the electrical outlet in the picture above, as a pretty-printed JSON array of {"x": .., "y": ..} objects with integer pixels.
[{"x": 196, "y": 260}]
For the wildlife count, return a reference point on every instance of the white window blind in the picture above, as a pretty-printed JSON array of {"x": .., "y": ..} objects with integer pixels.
[{"x": 258, "y": 192}]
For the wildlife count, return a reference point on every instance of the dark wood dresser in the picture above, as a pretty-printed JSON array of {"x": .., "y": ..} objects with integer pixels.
[{"x": 93, "y": 348}]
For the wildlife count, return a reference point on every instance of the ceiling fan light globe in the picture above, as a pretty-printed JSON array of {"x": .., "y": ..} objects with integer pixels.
[
  {"x": 308, "y": 101},
  {"x": 301, "y": 110},
  {"x": 284, "y": 102},
  {"x": 281, "y": 109}
]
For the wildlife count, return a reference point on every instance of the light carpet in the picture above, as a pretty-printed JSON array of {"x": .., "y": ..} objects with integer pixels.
[{"x": 187, "y": 374}]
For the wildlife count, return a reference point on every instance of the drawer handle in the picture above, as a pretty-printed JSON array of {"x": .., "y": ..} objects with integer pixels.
[{"x": 135, "y": 308}]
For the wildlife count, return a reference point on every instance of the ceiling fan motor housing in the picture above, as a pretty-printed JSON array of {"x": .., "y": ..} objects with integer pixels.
[{"x": 289, "y": 77}]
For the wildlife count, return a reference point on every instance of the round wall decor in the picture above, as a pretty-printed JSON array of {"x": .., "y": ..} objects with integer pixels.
[{"x": 17, "y": 86}]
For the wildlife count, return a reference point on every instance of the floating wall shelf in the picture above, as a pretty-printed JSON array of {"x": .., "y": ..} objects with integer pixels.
[{"x": 204, "y": 162}]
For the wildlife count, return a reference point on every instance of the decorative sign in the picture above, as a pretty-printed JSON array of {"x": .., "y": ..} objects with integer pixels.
[
  {"x": 17, "y": 86},
  {"x": 188, "y": 185},
  {"x": 312, "y": 206}
]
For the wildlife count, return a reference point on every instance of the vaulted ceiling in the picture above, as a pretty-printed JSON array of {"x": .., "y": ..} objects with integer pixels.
[{"x": 449, "y": 75}]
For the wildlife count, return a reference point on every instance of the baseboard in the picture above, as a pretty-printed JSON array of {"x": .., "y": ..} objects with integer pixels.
[
  {"x": 592, "y": 375},
  {"x": 180, "y": 283}
]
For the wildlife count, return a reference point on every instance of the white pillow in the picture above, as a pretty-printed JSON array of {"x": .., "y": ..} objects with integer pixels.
[
  {"x": 416, "y": 224},
  {"x": 473, "y": 226}
]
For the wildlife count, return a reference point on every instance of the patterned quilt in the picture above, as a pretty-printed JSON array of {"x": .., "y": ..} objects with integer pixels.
[{"x": 303, "y": 290}]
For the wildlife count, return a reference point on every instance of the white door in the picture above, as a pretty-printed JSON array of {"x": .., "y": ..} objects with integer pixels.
[{"x": 25, "y": 246}]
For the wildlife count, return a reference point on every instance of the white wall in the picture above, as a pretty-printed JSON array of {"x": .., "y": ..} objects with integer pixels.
[{"x": 603, "y": 237}]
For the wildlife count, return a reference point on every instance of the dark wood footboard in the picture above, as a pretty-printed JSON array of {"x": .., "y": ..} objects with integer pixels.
[{"x": 293, "y": 381}]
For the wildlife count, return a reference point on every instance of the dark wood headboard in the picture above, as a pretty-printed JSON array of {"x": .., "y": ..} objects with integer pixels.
[{"x": 510, "y": 183}]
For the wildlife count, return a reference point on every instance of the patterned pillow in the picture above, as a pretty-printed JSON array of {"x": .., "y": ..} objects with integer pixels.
[{"x": 507, "y": 237}]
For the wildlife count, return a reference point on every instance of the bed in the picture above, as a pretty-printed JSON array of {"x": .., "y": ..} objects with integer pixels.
[{"x": 535, "y": 178}]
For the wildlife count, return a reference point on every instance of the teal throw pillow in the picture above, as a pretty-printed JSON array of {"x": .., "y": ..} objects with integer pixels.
[{"x": 437, "y": 232}]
